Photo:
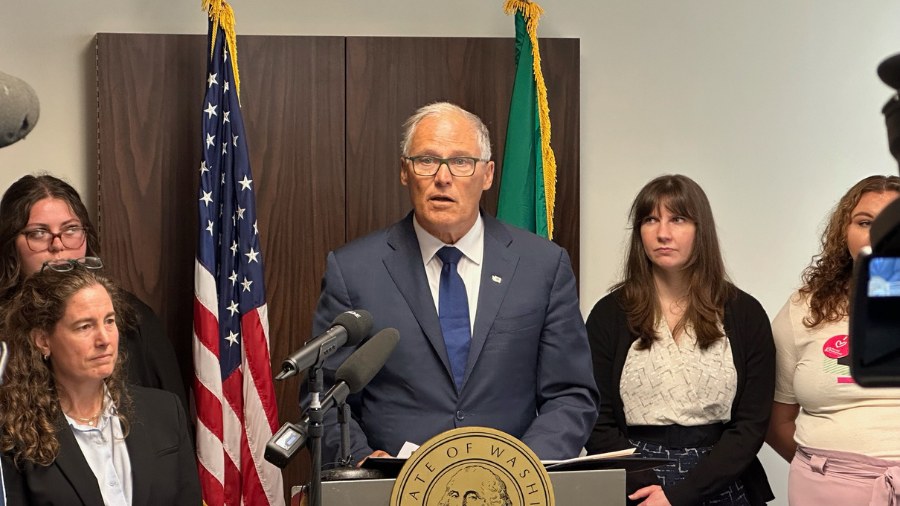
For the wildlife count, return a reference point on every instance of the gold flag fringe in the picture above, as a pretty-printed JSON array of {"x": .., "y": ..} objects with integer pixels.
[
  {"x": 222, "y": 15},
  {"x": 532, "y": 12}
]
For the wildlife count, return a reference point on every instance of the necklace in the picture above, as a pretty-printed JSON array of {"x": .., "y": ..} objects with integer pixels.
[{"x": 89, "y": 421}]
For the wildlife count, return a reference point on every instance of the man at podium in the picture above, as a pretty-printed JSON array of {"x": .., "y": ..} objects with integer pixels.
[{"x": 490, "y": 329}]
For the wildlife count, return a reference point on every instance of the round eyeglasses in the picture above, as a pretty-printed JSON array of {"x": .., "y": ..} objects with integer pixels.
[
  {"x": 40, "y": 239},
  {"x": 68, "y": 264}
]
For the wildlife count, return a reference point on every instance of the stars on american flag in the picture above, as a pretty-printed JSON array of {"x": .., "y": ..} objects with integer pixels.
[
  {"x": 231, "y": 346},
  {"x": 227, "y": 206}
]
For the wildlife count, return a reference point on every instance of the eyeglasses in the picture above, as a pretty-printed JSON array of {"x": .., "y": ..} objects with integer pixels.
[
  {"x": 40, "y": 239},
  {"x": 68, "y": 264},
  {"x": 460, "y": 166}
]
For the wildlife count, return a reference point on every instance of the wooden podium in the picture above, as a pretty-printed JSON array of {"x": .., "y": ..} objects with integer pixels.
[{"x": 604, "y": 487}]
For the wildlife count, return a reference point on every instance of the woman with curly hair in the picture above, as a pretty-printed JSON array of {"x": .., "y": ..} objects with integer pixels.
[
  {"x": 43, "y": 218},
  {"x": 683, "y": 359},
  {"x": 841, "y": 439},
  {"x": 73, "y": 430}
]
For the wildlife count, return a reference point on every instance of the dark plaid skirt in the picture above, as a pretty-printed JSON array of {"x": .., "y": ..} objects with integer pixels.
[{"x": 685, "y": 460}]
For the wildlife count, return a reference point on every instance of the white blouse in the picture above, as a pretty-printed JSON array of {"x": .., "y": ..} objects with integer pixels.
[
  {"x": 105, "y": 451},
  {"x": 677, "y": 382}
]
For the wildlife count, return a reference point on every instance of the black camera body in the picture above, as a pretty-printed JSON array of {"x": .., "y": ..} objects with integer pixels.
[
  {"x": 875, "y": 294},
  {"x": 875, "y": 319}
]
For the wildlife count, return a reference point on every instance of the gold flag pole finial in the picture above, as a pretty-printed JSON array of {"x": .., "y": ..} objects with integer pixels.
[{"x": 221, "y": 14}]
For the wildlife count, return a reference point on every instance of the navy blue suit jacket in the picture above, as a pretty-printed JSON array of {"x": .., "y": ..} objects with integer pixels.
[{"x": 529, "y": 370}]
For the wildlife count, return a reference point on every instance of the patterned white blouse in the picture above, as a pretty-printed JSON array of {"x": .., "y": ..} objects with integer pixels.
[{"x": 677, "y": 382}]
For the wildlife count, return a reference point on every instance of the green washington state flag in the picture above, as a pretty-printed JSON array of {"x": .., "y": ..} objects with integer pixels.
[{"x": 528, "y": 177}]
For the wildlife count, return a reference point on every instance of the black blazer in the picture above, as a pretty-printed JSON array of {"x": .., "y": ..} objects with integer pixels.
[
  {"x": 734, "y": 455},
  {"x": 163, "y": 467}
]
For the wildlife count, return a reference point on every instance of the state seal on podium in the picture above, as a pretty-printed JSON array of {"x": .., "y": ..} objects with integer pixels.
[{"x": 473, "y": 466}]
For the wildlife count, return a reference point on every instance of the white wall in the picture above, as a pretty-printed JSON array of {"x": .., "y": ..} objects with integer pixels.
[{"x": 772, "y": 106}]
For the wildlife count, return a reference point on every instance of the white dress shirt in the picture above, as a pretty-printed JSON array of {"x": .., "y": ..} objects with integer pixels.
[{"x": 469, "y": 268}]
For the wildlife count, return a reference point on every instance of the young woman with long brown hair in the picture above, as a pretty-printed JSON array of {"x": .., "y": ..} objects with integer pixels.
[{"x": 683, "y": 359}]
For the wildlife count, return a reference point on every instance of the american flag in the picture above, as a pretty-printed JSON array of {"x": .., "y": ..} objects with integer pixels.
[{"x": 233, "y": 391}]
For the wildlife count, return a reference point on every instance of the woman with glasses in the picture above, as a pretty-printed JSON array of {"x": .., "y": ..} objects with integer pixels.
[
  {"x": 841, "y": 439},
  {"x": 74, "y": 431},
  {"x": 42, "y": 218},
  {"x": 684, "y": 360}
]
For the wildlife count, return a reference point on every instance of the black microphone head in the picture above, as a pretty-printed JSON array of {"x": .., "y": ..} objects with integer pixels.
[
  {"x": 359, "y": 369},
  {"x": 357, "y": 322}
]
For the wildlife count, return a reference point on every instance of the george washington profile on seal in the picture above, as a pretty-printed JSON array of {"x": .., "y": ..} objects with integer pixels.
[{"x": 475, "y": 485}]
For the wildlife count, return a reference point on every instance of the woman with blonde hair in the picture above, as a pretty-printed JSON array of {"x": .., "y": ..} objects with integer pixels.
[{"x": 841, "y": 439}]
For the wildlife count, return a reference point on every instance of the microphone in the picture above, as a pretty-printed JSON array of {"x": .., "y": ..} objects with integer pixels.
[
  {"x": 352, "y": 376},
  {"x": 348, "y": 329},
  {"x": 19, "y": 109},
  {"x": 358, "y": 370}
]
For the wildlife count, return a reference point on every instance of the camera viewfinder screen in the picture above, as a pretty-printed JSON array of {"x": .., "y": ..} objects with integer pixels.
[{"x": 884, "y": 277}]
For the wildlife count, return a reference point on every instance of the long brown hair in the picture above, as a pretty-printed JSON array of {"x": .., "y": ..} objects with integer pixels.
[
  {"x": 708, "y": 285},
  {"x": 29, "y": 397},
  {"x": 15, "y": 209},
  {"x": 826, "y": 281}
]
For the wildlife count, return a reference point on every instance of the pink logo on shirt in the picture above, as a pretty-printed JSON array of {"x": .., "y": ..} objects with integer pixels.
[{"x": 837, "y": 346}]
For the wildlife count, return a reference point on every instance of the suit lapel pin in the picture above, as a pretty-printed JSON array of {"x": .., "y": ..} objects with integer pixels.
[{"x": 496, "y": 279}]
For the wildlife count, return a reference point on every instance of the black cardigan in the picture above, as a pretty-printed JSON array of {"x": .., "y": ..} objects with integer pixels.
[
  {"x": 151, "y": 361},
  {"x": 734, "y": 455}
]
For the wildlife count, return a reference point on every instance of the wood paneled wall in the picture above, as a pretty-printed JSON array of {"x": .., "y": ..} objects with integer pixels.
[{"x": 323, "y": 118}]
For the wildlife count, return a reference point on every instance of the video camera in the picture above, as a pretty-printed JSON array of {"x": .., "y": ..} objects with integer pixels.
[{"x": 875, "y": 295}]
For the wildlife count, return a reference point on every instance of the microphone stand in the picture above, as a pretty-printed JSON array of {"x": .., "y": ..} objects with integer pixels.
[
  {"x": 314, "y": 441},
  {"x": 343, "y": 420},
  {"x": 346, "y": 471}
]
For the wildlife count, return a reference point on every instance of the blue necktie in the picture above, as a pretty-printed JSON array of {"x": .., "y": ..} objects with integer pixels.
[{"x": 453, "y": 311}]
